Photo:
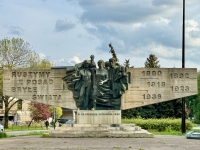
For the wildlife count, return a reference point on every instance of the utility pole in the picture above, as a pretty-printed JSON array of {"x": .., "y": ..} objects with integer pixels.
[{"x": 183, "y": 128}]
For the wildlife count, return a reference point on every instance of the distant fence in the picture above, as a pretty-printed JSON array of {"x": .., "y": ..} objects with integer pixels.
[
  {"x": 19, "y": 126},
  {"x": 25, "y": 127}
]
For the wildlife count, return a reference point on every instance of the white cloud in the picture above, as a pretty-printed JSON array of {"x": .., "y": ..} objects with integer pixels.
[
  {"x": 135, "y": 28},
  {"x": 191, "y": 25},
  {"x": 159, "y": 50},
  {"x": 74, "y": 60},
  {"x": 163, "y": 21},
  {"x": 62, "y": 25},
  {"x": 42, "y": 56},
  {"x": 137, "y": 25},
  {"x": 15, "y": 30},
  {"x": 165, "y": 52},
  {"x": 192, "y": 33},
  {"x": 61, "y": 60}
]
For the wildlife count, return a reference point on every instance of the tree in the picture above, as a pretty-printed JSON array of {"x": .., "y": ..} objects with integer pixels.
[
  {"x": 42, "y": 64},
  {"x": 1, "y": 82},
  {"x": 39, "y": 111},
  {"x": 58, "y": 111},
  {"x": 14, "y": 53},
  {"x": 126, "y": 63},
  {"x": 193, "y": 103},
  {"x": 152, "y": 62}
]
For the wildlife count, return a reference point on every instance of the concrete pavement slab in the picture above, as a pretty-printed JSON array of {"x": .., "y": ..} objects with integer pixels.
[{"x": 159, "y": 142}]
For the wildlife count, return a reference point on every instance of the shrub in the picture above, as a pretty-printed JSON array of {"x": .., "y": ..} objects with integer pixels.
[
  {"x": 159, "y": 124},
  {"x": 36, "y": 133},
  {"x": 45, "y": 135},
  {"x": 3, "y": 135}
]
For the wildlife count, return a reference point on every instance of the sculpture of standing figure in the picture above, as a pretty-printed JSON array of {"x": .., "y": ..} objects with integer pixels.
[
  {"x": 84, "y": 85},
  {"x": 101, "y": 88},
  {"x": 117, "y": 79},
  {"x": 92, "y": 63}
]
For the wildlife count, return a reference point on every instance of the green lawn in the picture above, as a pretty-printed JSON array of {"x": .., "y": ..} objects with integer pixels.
[
  {"x": 22, "y": 128},
  {"x": 165, "y": 133}
]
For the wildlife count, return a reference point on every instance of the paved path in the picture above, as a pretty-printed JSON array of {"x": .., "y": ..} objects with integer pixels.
[
  {"x": 25, "y": 132},
  {"x": 159, "y": 142}
]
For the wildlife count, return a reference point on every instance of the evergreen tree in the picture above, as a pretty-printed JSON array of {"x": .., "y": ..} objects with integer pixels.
[{"x": 152, "y": 62}]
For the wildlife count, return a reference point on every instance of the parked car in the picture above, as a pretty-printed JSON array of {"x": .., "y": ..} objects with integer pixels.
[
  {"x": 70, "y": 122},
  {"x": 193, "y": 135},
  {"x": 1, "y": 128},
  {"x": 62, "y": 120}
]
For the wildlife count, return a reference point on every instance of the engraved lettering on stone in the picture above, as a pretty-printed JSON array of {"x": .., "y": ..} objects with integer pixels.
[
  {"x": 35, "y": 74},
  {"x": 46, "y": 97},
  {"x": 24, "y": 74},
  {"x": 180, "y": 88},
  {"x": 24, "y": 89},
  {"x": 13, "y": 74},
  {"x": 156, "y": 84},
  {"x": 151, "y": 96},
  {"x": 30, "y": 74},
  {"x": 20, "y": 82},
  {"x": 151, "y": 73},
  {"x": 19, "y": 74},
  {"x": 179, "y": 75}
]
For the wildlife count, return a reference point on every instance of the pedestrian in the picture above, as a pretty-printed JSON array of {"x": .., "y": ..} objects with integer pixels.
[
  {"x": 57, "y": 124},
  {"x": 47, "y": 124}
]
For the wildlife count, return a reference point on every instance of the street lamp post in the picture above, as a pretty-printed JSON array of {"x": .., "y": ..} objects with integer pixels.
[
  {"x": 54, "y": 117},
  {"x": 183, "y": 129}
]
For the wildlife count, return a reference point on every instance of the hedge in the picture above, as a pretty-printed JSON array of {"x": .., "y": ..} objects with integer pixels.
[
  {"x": 159, "y": 124},
  {"x": 3, "y": 135}
]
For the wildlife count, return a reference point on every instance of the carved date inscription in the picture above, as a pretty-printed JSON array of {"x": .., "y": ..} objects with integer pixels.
[
  {"x": 152, "y": 73},
  {"x": 179, "y": 75},
  {"x": 156, "y": 84},
  {"x": 151, "y": 96},
  {"x": 157, "y": 81},
  {"x": 180, "y": 88}
]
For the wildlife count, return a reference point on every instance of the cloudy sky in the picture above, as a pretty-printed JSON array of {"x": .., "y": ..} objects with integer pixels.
[{"x": 69, "y": 31}]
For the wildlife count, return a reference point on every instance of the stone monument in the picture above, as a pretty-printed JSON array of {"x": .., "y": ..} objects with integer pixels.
[{"x": 99, "y": 92}]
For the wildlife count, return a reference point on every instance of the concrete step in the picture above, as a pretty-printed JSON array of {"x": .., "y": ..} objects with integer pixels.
[{"x": 100, "y": 131}]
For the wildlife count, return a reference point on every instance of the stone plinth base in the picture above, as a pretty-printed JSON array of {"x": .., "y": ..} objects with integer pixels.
[
  {"x": 99, "y": 131},
  {"x": 98, "y": 117}
]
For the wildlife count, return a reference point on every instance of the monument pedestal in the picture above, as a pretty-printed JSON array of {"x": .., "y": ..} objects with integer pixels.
[
  {"x": 99, "y": 131},
  {"x": 98, "y": 117},
  {"x": 99, "y": 124}
]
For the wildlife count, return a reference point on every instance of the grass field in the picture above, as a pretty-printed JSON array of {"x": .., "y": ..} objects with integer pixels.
[{"x": 22, "y": 128}]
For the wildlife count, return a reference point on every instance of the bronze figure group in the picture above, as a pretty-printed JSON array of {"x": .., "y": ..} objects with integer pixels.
[{"x": 97, "y": 88}]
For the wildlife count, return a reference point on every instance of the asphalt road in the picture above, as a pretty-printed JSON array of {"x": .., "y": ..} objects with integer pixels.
[{"x": 159, "y": 142}]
